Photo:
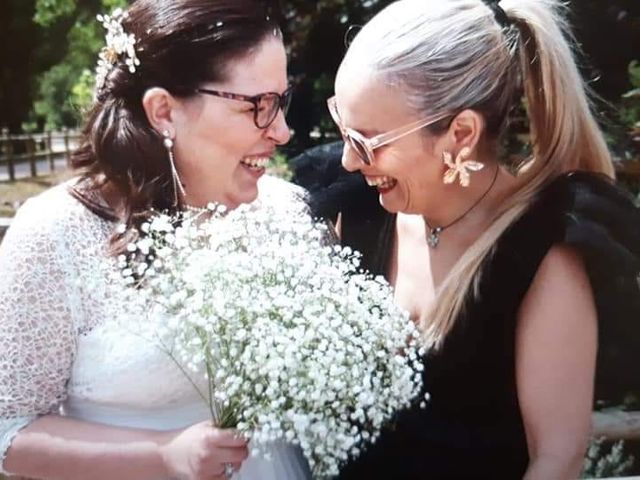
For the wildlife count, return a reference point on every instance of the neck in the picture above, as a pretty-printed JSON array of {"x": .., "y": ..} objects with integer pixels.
[
  {"x": 195, "y": 197},
  {"x": 472, "y": 204},
  {"x": 456, "y": 200}
]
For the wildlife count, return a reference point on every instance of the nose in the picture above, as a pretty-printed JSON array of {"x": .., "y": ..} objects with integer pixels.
[
  {"x": 350, "y": 159},
  {"x": 279, "y": 131}
]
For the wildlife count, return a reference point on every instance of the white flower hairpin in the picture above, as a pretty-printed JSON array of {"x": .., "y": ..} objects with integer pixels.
[{"x": 118, "y": 43}]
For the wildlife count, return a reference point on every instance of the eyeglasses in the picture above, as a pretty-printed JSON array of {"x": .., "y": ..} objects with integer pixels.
[
  {"x": 364, "y": 146},
  {"x": 265, "y": 105}
]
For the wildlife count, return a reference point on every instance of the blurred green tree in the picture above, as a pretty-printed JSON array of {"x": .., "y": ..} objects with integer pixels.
[
  {"x": 46, "y": 80},
  {"x": 63, "y": 91},
  {"x": 57, "y": 42}
]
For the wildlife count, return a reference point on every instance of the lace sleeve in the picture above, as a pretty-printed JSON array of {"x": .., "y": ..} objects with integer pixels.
[{"x": 37, "y": 339}]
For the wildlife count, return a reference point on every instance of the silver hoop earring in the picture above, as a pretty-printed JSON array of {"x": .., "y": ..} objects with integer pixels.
[{"x": 177, "y": 183}]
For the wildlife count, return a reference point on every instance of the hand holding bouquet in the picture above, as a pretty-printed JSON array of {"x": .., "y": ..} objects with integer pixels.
[{"x": 295, "y": 341}]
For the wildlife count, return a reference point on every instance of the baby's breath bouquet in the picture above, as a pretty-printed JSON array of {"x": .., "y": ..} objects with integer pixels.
[{"x": 295, "y": 341}]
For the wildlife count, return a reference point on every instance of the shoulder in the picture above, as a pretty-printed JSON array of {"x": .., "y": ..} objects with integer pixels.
[
  {"x": 592, "y": 214},
  {"x": 560, "y": 297},
  {"x": 34, "y": 242},
  {"x": 274, "y": 188},
  {"x": 582, "y": 209},
  {"x": 561, "y": 277},
  {"x": 47, "y": 211},
  {"x": 584, "y": 195},
  {"x": 332, "y": 189},
  {"x": 50, "y": 215},
  {"x": 576, "y": 182},
  {"x": 280, "y": 193}
]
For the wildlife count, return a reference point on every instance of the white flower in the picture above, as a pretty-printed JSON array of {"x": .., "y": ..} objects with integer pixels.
[
  {"x": 119, "y": 44},
  {"x": 293, "y": 340}
]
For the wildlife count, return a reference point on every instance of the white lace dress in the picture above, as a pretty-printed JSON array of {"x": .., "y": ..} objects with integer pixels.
[{"x": 59, "y": 353}]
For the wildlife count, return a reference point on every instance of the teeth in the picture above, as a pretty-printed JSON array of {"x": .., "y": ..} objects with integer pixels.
[
  {"x": 255, "y": 162},
  {"x": 382, "y": 181}
]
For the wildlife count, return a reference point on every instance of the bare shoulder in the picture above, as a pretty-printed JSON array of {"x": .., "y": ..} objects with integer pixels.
[
  {"x": 560, "y": 293},
  {"x": 563, "y": 267}
]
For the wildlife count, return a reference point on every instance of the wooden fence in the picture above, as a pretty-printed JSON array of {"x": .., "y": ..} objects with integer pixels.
[{"x": 35, "y": 150}]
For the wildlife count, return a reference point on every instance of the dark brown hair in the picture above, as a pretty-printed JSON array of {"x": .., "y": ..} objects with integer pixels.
[{"x": 181, "y": 44}]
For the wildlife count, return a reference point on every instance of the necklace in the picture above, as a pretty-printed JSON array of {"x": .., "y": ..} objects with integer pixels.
[
  {"x": 211, "y": 207},
  {"x": 433, "y": 237},
  {"x": 192, "y": 209}
]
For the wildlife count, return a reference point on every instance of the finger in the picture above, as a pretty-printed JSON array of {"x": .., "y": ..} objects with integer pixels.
[
  {"x": 226, "y": 438},
  {"x": 230, "y": 455},
  {"x": 215, "y": 472},
  {"x": 227, "y": 473},
  {"x": 215, "y": 459}
]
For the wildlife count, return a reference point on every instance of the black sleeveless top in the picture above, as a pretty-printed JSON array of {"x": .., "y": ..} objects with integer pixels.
[{"x": 472, "y": 426}]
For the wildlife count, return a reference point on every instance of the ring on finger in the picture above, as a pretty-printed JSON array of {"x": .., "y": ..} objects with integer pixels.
[{"x": 229, "y": 470}]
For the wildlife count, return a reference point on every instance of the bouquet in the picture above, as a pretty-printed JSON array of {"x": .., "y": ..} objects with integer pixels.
[{"x": 295, "y": 341}]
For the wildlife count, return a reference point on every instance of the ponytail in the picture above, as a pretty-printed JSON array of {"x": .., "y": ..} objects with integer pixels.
[{"x": 564, "y": 132}]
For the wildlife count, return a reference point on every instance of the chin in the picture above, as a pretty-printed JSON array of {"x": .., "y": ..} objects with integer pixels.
[
  {"x": 391, "y": 204},
  {"x": 247, "y": 195},
  {"x": 390, "y": 207}
]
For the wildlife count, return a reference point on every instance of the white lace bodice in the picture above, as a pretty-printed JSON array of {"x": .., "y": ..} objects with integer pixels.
[{"x": 60, "y": 349}]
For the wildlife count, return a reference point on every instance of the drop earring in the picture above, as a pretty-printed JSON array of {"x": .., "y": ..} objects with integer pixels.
[{"x": 177, "y": 183}]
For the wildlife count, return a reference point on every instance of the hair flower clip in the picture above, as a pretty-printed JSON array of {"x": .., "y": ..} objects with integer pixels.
[{"x": 118, "y": 43}]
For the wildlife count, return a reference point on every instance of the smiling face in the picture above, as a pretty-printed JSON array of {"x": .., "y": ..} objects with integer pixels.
[
  {"x": 407, "y": 172},
  {"x": 220, "y": 153}
]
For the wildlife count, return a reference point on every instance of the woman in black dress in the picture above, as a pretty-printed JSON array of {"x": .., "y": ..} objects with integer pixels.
[{"x": 507, "y": 268}]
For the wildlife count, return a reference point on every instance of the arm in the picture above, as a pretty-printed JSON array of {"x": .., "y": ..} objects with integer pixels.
[
  {"x": 58, "y": 447},
  {"x": 37, "y": 345},
  {"x": 54, "y": 447},
  {"x": 556, "y": 345}
]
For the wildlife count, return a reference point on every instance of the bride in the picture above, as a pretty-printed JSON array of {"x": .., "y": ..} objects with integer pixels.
[{"x": 189, "y": 107}]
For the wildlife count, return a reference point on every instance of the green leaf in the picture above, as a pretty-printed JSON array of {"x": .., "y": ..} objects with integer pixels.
[
  {"x": 49, "y": 11},
  {"x": 82, "y": 91}
]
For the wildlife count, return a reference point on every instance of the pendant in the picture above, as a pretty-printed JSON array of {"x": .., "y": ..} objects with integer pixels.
[{"x": 434, "y": 236}]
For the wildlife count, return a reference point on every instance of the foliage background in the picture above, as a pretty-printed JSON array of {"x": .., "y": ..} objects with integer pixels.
[{"x": 48, "y": 50}]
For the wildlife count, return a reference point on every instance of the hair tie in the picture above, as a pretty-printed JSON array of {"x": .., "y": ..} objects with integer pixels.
[{"x": 498, "y": 12}]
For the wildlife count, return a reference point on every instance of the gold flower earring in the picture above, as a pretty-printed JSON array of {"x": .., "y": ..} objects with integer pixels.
[{"x": 461, "y": 167}]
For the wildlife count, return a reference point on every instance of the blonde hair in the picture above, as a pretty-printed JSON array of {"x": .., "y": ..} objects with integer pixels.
[{"x": 450, "y": 55}]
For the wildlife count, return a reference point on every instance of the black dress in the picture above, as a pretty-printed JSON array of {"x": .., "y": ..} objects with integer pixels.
[{"x": 472, "y": 427}]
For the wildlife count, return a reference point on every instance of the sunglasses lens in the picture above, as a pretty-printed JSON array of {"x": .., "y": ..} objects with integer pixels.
[
  {"x": 359, "y": 148},
  {"x": 356, "y": 145}
]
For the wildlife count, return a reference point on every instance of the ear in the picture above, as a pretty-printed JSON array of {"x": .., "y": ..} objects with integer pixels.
[
  {"x": 159, "y": 105},
  {"x": 465, "y": 131}
]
